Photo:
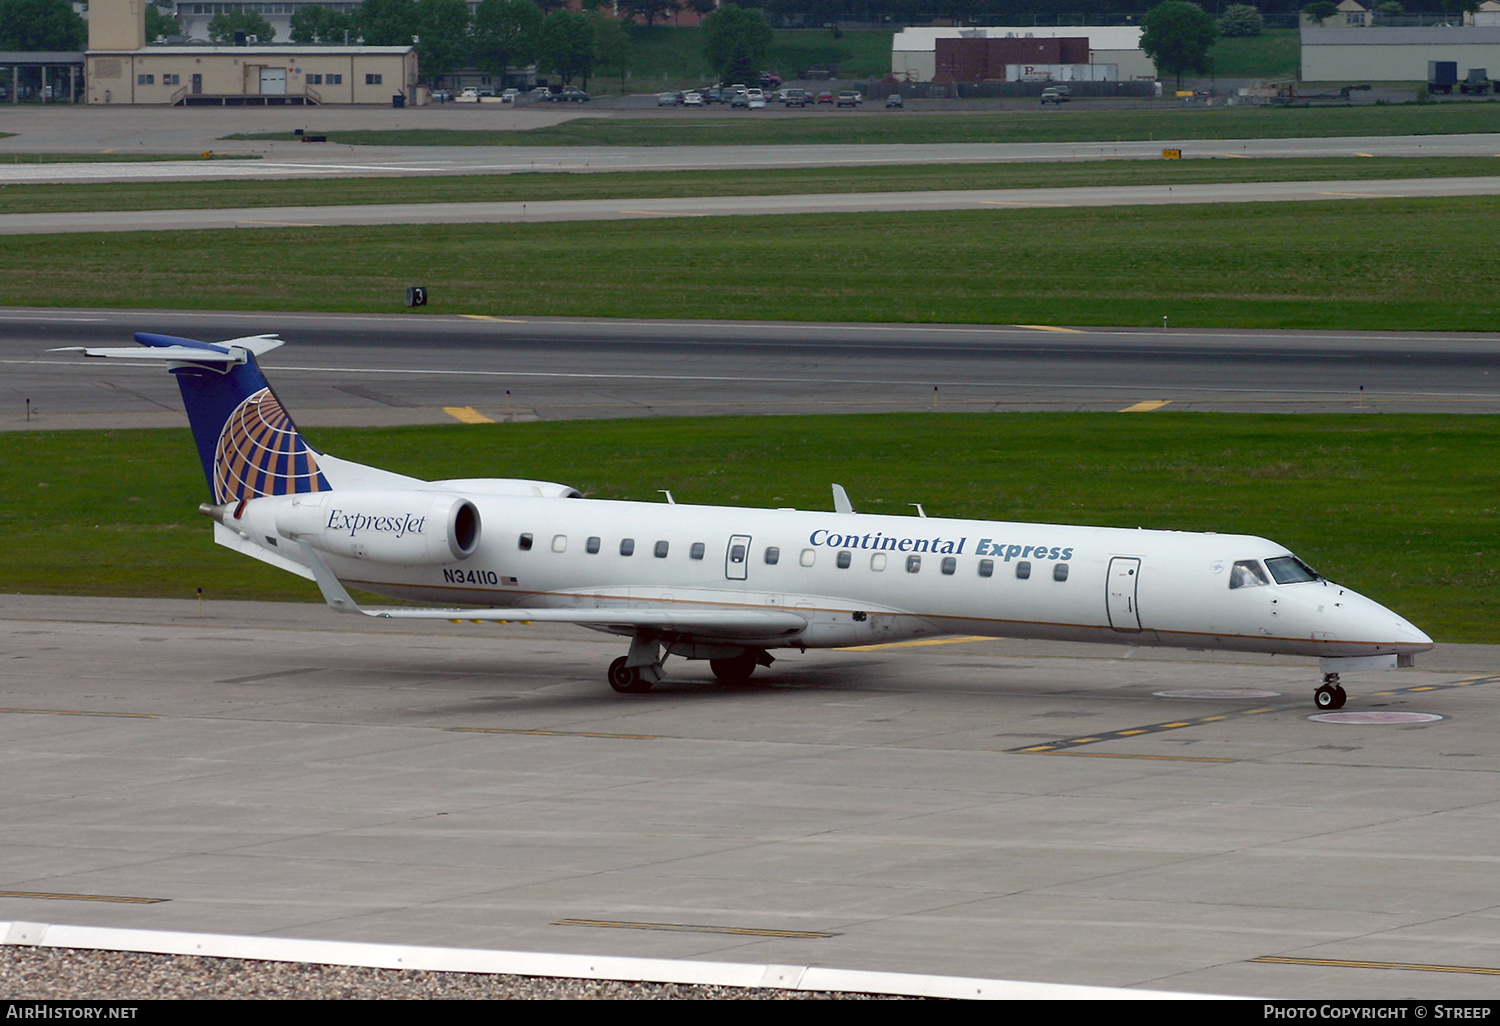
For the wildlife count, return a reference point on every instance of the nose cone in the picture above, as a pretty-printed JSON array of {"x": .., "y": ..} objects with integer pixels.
[{"x": 1409, "y": 638}]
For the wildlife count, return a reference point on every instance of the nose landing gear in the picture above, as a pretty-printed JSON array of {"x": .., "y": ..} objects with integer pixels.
[{"x": 1331, "y": 695}]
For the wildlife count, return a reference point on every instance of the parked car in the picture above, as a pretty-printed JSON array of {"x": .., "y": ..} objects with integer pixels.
[
  {"x": 825, "y": 97},
  {"x": 741, "y": 98},
  {"x": 769, "y": 80},
  {"x": 572, "y": 95},
  {"x": 510, "y": 96},
  {"x": 849, "y": 98},
  {"x": 893, "y": 100},
  {"x": 795, "y": 97},
  {"x": 442, "y": 95},
  {"x": 668, "y": 99},
  {"x": 1056, "y": 94},
  {"x": 540, "y": 93},
  {"x": 692, "y": 99}
]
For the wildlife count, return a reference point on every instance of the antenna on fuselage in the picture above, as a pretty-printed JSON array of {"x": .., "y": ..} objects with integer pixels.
[
  {"x": 668, "y": 493},
  {"x": 841, "y": 503},
  {"x": 920, "y": 511}
]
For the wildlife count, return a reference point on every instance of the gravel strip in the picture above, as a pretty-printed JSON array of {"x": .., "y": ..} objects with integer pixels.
[{"x": 71, "y": 974}]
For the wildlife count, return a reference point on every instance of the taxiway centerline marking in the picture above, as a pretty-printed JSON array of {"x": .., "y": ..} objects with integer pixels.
[
  {"x": 741, "y": 931},
  {"x": 53, "y": 896},
  {"x": 1345, "y": 963}
]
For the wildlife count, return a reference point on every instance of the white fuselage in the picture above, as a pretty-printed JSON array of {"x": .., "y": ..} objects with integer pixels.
[{"x": 862, "y": 578}]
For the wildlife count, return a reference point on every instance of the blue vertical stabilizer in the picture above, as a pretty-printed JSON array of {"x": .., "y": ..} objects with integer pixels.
[{"x": 246, "y": 440}]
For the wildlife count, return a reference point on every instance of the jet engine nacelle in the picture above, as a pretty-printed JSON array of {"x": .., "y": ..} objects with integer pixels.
[{"x": 406, "y": 528}]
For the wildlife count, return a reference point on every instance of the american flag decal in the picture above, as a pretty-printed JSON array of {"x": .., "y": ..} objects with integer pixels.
[{"x": 261, "y": 453}]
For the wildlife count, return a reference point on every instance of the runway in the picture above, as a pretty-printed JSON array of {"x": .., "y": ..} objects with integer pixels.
[
  {"x": 190, "y": 131},
  {"x": 284, "y": 771},
  {"x": 340, "y": 370},
  {"x": 724, "y": 206}
]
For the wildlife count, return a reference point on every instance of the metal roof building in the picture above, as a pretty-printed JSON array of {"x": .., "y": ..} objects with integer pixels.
[{"x": 1395, "y": 54}]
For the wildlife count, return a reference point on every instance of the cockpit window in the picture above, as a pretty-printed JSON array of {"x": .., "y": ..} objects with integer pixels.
[
  {"x": 1290, "y": 570},
  {"x": 1247, "y": 573}
]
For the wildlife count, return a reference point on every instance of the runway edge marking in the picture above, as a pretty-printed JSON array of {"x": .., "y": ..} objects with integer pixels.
[{"x": 569, "y": 966}]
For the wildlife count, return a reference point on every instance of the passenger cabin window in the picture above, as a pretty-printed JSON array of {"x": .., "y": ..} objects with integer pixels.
[
  {"x": 808, "y": 557},
  {"x": 913, "y": 564},
  {"x": 526, "y": 543},
  {"x": 1290, "y": 570},
  {"x": 949, "y": 565},
  {"x": 661, "y": 550},
  {"x": 1247, "y": 573},
  {"x": 877, "y": 561},
  {"x": 696, "y": 552},
  {"x": 737, "y": 553},
  {"x": 986, "y": 568},
  {"x": 1060, "y": 572},
  {"x": 1023, "y": 570},
  {"x": 627, "y": 546},
  {"x": 845, "y": 558},
  {"x": 592, "y": 546},
  {"x": 559, "y": 543},
  {"x": 773, "y": 555}
]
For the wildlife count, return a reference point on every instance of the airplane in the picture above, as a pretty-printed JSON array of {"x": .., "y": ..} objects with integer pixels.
[{"x": 728, "y": 584}]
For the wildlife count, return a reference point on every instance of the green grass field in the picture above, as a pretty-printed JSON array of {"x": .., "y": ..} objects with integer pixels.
[
  {"x": 882, "y": 127},
  {"x": 1402, "y": 508},
  {"x": 1275, "y": 53},
  {"x": 517, "y": 188},
  {"x": 1365, "y": 265}
]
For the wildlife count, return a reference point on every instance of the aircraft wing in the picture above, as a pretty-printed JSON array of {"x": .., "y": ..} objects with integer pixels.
[{"x": 718, "y": 623}]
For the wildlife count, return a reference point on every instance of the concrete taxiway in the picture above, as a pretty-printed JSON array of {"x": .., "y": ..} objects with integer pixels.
[{"x": 977, "y": 808}]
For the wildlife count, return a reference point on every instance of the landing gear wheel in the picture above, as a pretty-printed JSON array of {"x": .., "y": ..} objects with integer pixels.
[
  {"x": 734, "y": 671},
  {"x": 627, "y": 679},
  {"x": 1329, "y": 697}
]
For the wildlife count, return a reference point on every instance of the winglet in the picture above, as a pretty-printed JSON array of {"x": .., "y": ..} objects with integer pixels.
[{"x": 841, "y": 503}]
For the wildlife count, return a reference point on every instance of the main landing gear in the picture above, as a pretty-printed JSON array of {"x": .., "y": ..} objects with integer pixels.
[
  {"x": 1331, "y": 695},
  {"x": 637, "y": 672}
]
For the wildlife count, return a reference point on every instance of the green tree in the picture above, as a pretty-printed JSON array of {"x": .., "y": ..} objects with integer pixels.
[
  {"x": 321, "y": 25},
  {"x": 443, "y": 33},
  {"x": 387, "y": 22},
  {"x": 1241, "y": 20},
  {"x": 568, "y": 45},
  {"x": 1319, "y": 10},
  {"x": 223, "y": 27},
  {"x": 507, "y": 34},
  {"x": 613, "y": 47},
  {"x": 648, "y": 9},
  {"x": 735, "y": 42},
  {"x": 159, "y": 23},
  {"x": 1177, "y": 36},
  {"x": 40, "y": 25}
]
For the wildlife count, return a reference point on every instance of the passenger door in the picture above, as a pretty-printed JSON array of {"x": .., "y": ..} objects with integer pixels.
[{"x": 1120, "y": 594}]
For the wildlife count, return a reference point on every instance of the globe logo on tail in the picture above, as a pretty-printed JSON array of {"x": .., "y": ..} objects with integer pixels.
[{"x": 261, "y": 453}]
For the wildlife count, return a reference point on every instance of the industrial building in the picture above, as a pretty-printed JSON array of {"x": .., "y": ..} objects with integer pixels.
[
  {"x": 121, "y": 69},
  {"x": 915, "y": 53},
  {"x": 1395, "y": 54}
]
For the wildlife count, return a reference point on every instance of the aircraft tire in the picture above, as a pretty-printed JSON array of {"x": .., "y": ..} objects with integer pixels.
[
  {"x": 627, "y": 679},
  {"x": 1329, "y": 697},
  {"x": 733, "y": 671}
]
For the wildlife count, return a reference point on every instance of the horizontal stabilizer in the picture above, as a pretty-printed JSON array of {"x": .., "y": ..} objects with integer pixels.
[{"x": 163, "y": 353}]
